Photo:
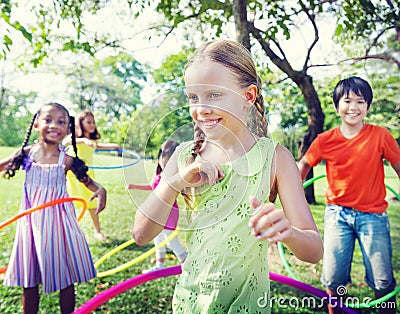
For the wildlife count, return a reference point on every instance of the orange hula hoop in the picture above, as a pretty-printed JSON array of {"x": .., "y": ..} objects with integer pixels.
[{"x": 48, "y": 204}]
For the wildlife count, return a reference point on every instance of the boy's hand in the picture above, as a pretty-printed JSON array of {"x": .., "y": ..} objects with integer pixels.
[{"x": 269, "y": 222}]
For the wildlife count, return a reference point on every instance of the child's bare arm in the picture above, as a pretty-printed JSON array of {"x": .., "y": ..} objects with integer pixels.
[
  {"x": 108, "y": 146},
  {"x": 92, "y": 185},
  {"x": 294, "y": 225},
  {"x": 99, "y": 192},
  {"x": 306, "y": 242},
  {"x": 304, "y": 167},
  {"x": 4, "y": 162},
  {"x": 68, "y": 141},
  {"x": 151, "y": 216}
]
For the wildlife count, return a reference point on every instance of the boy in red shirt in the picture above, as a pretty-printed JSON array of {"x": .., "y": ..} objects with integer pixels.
[{"x": 355, "y": 197}]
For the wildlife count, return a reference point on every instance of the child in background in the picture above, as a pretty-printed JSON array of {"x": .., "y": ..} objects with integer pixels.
[
  {"x": 86, "y": 140},
  {"x": 356, "y": 206},
  {"x": 49, "y": 248},
  {"x": 164, "y": 154},
  {"x": 230, "y": 175}
]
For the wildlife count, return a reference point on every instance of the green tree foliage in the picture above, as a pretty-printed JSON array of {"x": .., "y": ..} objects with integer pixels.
[
  {"x": 42, "y": 29},
  {"x": 373, "y": 24},
  {"x": 112, "y": 130},
  {"x": 385, "y": 107},
  {"x": 270, "y": 23},
  {"x": 14, "y": 118},
  {"x": 7, "y": 25},
  {"x": 166, "y": 117},
  {"x": 364, "y": 27},
  {"x": 111, "y": 85},
  {"x": 266, "y": 24},
  {"x": 170, "y": 73}
]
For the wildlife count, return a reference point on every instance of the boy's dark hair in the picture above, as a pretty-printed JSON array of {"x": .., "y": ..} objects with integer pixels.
[
  {"x": 78, "y": 166},
  {"x": 353, "y": 84},
  {"x": 95, "y": 135},
  {"x": 165, "y": 152}
]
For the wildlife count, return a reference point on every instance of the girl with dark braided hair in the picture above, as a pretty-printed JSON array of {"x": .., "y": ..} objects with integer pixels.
[
  {"x": 230, "y": 176},
  {"x": 49, "y": 247}
]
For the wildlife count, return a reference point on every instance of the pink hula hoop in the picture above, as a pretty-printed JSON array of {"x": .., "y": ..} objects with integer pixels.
[{"x": 110, "y": 293}]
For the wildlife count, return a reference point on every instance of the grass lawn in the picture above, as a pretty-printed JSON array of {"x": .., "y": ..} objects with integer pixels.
[{"x": 155, "y": 296}]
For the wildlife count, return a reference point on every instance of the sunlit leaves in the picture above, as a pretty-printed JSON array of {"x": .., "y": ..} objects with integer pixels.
[{"x": 111, "y": 85}]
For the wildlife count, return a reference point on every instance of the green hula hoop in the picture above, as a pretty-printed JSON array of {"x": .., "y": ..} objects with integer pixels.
[
  {"x": 393, "y": 191},
  {"x": 292, "y": 275}
]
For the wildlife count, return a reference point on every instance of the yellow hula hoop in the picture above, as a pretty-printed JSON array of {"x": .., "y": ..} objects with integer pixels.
[
  {"x": 137, "y": 259},
  {"x": 112, "y": 252},
  {"x": 48, "y": 204}
]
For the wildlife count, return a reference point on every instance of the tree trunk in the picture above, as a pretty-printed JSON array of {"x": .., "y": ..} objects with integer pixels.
[
  {"x": 304, "y": 82},
  {"x": 2, "y": 88},
  {"x": 315, "y": 126},
  {"x": 240, "y": 16}
]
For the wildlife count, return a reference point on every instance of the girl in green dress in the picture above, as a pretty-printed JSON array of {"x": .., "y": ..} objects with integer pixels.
[{"x": 230, "y": 175}]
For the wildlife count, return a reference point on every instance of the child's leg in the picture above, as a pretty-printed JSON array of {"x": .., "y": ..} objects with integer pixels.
[
  {"x": 30, "y": 300},
  {"x": 375, "y": 244},
  {"x": 162, "y": 251},
  {"x": 339, "y": 239},
  {"x": 335, "y": 297},
  {"x": 67, "y": 300},
  {"x": 176, "y": 247},
  {"x": 96, "y": 223}
]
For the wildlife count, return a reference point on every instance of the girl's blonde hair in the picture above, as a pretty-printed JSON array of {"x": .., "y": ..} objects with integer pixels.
[{"x": 239, "y": 61}]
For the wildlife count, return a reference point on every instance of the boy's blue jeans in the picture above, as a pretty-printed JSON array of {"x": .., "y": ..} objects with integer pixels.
[{"x": 342, "y": 226}]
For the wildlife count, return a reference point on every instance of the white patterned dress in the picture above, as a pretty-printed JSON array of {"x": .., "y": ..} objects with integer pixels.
[{"x": 49, "y": 247}]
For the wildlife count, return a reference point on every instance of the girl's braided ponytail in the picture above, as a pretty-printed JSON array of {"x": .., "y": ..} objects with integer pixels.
[
  {"x": 259, "y": 115},
  {"x": 199, "y": 138},
  {"x": 78, "y": 166},
  {"x": 16, "y": 162}
]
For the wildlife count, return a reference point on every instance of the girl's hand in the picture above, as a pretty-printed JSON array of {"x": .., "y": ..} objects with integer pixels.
[
  {"x": 88, "y": 142},
  {"x": 269, "y": 222},
  {"x": 198, "y": 173},
  {"x": 101, "y": 194}
]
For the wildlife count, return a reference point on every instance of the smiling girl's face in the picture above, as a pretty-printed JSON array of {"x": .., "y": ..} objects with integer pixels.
[
  {"x": 52, "y": 124},
  {"x": 217, "y": 102},
  {"x": 88, "y": 125}
]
